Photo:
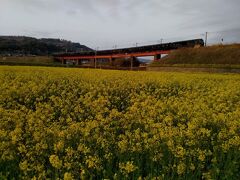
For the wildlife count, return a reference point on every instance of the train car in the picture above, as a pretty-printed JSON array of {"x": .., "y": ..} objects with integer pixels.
[{"x": 148, "y": 48}]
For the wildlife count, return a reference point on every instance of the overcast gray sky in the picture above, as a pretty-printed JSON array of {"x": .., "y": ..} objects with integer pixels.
[{"x": 105, "y": 23}]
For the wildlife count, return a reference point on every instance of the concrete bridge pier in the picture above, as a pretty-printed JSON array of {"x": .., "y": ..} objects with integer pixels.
[
  {"x": 111, "y": 60},
  {"x": 78, "y": 62},
  {"x": 93, "y": 62},
  {"x": 157, "y": 57},
  {"x": 63, "y": 61},
  {"x": 132, "y": 59}
]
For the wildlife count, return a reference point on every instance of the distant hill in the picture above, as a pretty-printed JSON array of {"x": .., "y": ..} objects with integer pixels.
[{"x": 22, "y": 46}]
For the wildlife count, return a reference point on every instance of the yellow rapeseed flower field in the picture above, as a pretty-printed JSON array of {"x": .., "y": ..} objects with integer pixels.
[{"x": 59, "y": 123}]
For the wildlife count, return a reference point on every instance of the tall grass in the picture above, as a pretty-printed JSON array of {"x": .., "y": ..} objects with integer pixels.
[{"x": 218, "y": 54}]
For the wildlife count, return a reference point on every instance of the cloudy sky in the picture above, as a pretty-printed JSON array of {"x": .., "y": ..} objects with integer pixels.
[{"x": 105, "y": 23}]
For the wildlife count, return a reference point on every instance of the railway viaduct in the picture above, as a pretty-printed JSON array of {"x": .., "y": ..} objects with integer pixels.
[{"x": 155, "y": 50}]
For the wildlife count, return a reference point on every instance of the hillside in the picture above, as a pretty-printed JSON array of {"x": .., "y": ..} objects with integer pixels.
[
  {"x": 213, "y": 55},
  {"x": 21, "y": 46}
]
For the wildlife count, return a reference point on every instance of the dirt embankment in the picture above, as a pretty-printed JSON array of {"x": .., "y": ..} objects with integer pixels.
[{"x": 213, "y": 55}]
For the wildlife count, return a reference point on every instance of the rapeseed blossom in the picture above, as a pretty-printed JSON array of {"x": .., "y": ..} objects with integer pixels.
[{"x": 58, "y": 123}]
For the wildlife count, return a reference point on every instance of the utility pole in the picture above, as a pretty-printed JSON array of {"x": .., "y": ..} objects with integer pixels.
[
  {"x": 206, "y": 38},
  {"x": 160, "y": 41}
]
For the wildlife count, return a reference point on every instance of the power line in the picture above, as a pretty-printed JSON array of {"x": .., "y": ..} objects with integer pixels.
[
  {"x": 223, "y": 31},
  {"x": 208, "y": 39}
]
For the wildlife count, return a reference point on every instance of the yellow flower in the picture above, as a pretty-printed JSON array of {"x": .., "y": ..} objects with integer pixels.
[
  {"x": 23, "y": 166},
  {"x": 68, "y": 176},
  {"x": 92, "y": 162},
  {"x": 181, "y": 167},
  {"x": 201, "y": 156},
  {"x": 127, "y": 167},
  {"x": 55, "y": 161}
]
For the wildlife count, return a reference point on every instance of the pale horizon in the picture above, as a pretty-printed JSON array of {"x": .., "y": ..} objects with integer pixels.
[{"x": 122, "y": 23}]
